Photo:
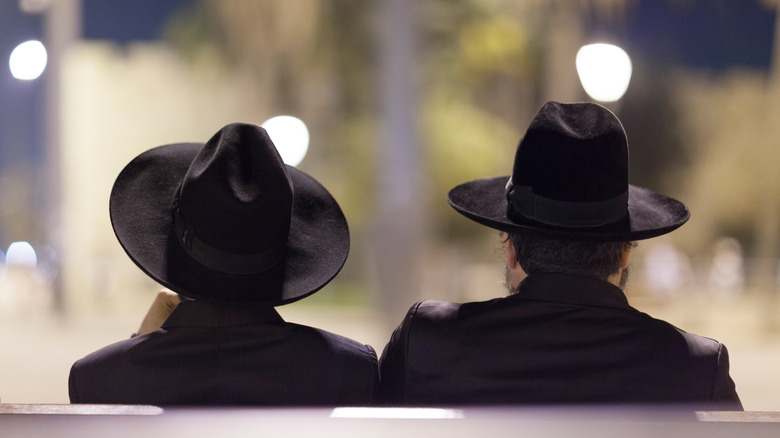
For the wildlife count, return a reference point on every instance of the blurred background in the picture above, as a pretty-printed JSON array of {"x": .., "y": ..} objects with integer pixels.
[{"x": 401, "y": 100}]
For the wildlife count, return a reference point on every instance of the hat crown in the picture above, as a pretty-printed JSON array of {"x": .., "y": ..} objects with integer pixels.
[
  {"x": 237, "y": 196},
  {"x": 571, "y": 168}
]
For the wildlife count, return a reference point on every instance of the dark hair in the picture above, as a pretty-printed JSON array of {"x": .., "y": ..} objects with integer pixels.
[{"x": 538, "y": 255}]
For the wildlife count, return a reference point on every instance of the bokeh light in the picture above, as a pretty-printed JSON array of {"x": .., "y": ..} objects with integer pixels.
[
  {"x": 21, "y": 254},
  {"x": 604, "y": 70},
  {"x": 28, "y": 60},
  {"x": 290, "y": 136}
]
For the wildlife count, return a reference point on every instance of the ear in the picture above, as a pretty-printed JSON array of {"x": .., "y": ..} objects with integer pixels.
[
  {"x": 509, "y": 252},
  {"x": 626, "y": 257}
]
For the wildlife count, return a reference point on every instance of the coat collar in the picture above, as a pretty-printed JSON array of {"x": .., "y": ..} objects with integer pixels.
[
  {"x": 192, "y": 313},
  {"x": 571, "y": 289}
]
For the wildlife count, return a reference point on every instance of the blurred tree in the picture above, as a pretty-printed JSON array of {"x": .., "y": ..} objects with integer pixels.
[
  {"x": 732, "y": 182},
  {"x": 18, "y": 218},
  {"x": 481, "y": 69},
  {"x": 651, "y": 116},
  {"x": 308, "y": 58}
]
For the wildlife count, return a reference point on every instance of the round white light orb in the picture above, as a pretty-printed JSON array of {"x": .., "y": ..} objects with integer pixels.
[
  {"x": 290, "y": 136},
  {"x": 21, "y": 254},
  {"x": 604, "y": 70},
  {"x": 28, "y": 60}
]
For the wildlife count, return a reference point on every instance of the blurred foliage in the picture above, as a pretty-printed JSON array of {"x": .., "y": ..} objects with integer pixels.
[
  {"x": 476, "y": 81},
  {"x": 651, "y": 117},
  {"x": 730, "y": 122},
  {"x": 18, "y": 220},
  {"x": 482, "y": 72},
  {"x": 463, "y": 144}
]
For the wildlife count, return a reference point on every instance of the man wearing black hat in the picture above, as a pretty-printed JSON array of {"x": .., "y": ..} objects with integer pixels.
[
  {"x": 229, "y": 226},
  {"x": 566, "y": 333}
]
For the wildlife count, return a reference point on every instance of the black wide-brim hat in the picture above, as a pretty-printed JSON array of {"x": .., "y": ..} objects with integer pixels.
[
  {"x": 570, "y": 182},
  {"x": 228, "y": 222}
]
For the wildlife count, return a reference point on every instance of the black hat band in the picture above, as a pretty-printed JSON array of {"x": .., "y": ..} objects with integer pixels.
[
  {"x": 523, "y": 203},
  {"x": 218, "y": 260}
]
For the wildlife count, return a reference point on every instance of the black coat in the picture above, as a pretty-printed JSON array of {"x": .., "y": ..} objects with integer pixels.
[
  {"x": 205, "y": 355},
  {"x": 561, "y": 339}
]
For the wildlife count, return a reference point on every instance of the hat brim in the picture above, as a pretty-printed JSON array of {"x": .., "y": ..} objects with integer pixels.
[
  {"x": 140, "y": 210},
  {"x": 650, "y": 214}
]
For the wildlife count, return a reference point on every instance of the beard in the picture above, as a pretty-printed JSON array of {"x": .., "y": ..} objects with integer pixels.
[
  {"x": 508, "y": 282},
  {"x": 623, "y": 279}
]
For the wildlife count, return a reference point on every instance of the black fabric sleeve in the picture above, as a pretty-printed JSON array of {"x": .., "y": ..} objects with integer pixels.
[
  {"x": 72, "y": 394},
  {"x": 724, "y": 392},
  {"x": 393, "y": 363}
]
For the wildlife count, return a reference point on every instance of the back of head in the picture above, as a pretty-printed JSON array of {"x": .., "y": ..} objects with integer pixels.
[{"x": 543, "y": 255}]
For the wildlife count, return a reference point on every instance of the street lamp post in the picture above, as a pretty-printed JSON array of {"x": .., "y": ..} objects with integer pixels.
[{"x": 62, "y": 20}]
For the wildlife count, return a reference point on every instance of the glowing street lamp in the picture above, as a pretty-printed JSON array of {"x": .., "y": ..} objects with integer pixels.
[
  {"x": 21, "y": 254},
  {"x": 28, "y": 60},
  {"x": 604, "y": 70},
  {"x": 290, "y": 136}
]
